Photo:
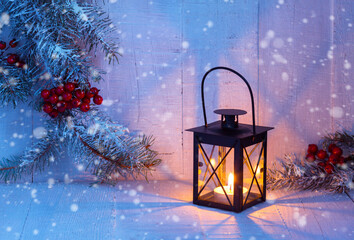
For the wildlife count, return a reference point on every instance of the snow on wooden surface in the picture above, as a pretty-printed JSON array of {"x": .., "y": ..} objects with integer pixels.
[{"x": 163, "y": 210}]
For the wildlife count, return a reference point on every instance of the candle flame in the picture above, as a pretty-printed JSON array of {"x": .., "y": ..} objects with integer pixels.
[
  {"x": 212, "y": 161},
  {"x": 230, "y": 182},
  {"x": 258, "y": 172}
]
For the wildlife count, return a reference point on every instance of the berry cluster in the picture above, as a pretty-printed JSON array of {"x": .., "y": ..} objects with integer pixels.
[
  {"x": 12, "y": 59},
  {"x": 68, "y": 96},
  {"x": 326, "y": 160}
]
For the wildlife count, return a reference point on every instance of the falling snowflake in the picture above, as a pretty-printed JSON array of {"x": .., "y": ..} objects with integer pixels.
[
  {"x": 84, "y": 17},
  {"x": 285, "y": 76},
  {"x": 132, "y": 192},
  {"x": 330, "y": 54},
  {"x": 279, "y": 58},
  {"x": 185, "y": 44},
  {"x": 210, "y": 24},
  {"x": 4, "y": 20},
  {"x": 347, "y": 65},
  {"x": 136, "y": 201},
  {"x": 175, "y": 218},
  {"x": 278, "y": 43},
  {"x": 74, "y": 207},
  {"x": 336, "y": 112},
  {"x": 40, "y": 132},
  {"x": 34, "y": 193},
  {"x": 51, "y": 182}
]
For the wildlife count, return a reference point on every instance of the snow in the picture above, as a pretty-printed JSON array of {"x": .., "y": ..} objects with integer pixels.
[
  {"x": 336, "y": 112},
  {"x": 40, "y": 132},
  {"x": 163, "y": 210},
  {"x": 185, "y": 44},
  {"x": 347, "y": 65},
  {"x": 74, "y": 207}
]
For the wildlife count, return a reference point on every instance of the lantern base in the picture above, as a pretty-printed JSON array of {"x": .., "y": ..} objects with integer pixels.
[
  {"x": 209, "y": 200},
  {"x": 211, "y": 197}
]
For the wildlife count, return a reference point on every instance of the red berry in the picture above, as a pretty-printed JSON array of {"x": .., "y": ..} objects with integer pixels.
[
  {"x": 94, "y": 91},
  {"x": 329, "y": 168},
  {"x": 86, "y": 100},
  {"x": 54, "y": 113},
  {"x": 13, "y": 43},
  {"x": 59, "y": 90},
  {"x": 67, "y": 96},
  {"x": 89, "y": 94},
  {"x": 61, "y": 105},
  {"x": 69, "y": 87},
  {"x": 75, "y": 103},
  {"x": 341, "y": 160},
  {"x": 45, "y": 93},
  {"x": 337, "y": 151},
  {"x": 321, "y": 164},
  {"x": 12, "y": 59},
  {"x": 330, "y": 147},
  {"x": 53, "y": 99},
  {"x": 52, "y": 91},
  {"x": 97, "y": 99},
  {"x": 310, "y": 157},
  {"x": 312, "y": 149},
  {"x": 333, "y": 159},
  {"x": 69, "y": 105},
  {"x": 79, "y": 94},
  {"x": 76, "y": 83},
  {"x": 2, "y": 45},
  {"x": 322, "y": 154},
  {"x": 47, "y": 108},
  {"x": 85, "y": 107}
]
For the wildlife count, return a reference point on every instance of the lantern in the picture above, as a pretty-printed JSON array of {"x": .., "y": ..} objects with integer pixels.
[{"x": 229, "y": 158}]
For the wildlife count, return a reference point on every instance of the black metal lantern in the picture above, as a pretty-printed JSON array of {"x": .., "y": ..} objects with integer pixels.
[{"x": 230, "y": 159}]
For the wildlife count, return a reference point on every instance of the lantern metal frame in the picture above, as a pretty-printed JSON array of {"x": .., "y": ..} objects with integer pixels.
[{"x": 238, "y": 139}]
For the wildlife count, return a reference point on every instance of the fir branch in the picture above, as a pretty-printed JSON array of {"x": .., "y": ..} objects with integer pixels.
[
  {"x": 301, "y": 175},
  {"x": 340, "y": 138},
  {"x": 98, "y": 137},
  {"x": 34, "y": 158},
  {"x": 56, "y": 39},
  {"x": 15, "y": 84}
]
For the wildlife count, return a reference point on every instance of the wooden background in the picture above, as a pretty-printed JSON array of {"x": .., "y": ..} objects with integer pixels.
[{"x": 296, "y": 54}]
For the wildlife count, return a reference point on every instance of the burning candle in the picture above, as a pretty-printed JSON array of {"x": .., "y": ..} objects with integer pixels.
[{"x": 229, "y": 189}]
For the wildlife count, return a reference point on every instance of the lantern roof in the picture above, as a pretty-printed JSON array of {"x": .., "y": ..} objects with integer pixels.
[
  {"x": 242, "y": 132},
  {"x": 230, "y": 112}
]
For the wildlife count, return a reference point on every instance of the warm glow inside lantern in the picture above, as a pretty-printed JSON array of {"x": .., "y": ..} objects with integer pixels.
[{"x": 229, "y": 159}]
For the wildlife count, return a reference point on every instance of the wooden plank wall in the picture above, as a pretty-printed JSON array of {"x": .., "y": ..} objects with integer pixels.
[{"x": 297, "y": 56}]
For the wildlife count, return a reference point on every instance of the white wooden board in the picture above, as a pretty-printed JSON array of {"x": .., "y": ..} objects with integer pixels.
[{"x": 163, "y": 210}]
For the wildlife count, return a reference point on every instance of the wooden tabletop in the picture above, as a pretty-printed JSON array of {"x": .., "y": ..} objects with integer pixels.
[{"x": 163, "y": 210}]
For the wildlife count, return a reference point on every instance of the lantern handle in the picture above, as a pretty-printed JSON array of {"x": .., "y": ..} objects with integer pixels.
[{"x": 249, "y": 88}]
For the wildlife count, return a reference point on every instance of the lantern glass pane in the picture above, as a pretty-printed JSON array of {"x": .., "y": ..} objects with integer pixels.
[
  {"x": 253, "y": 169},
  {"x": 209, "y": 183}
]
